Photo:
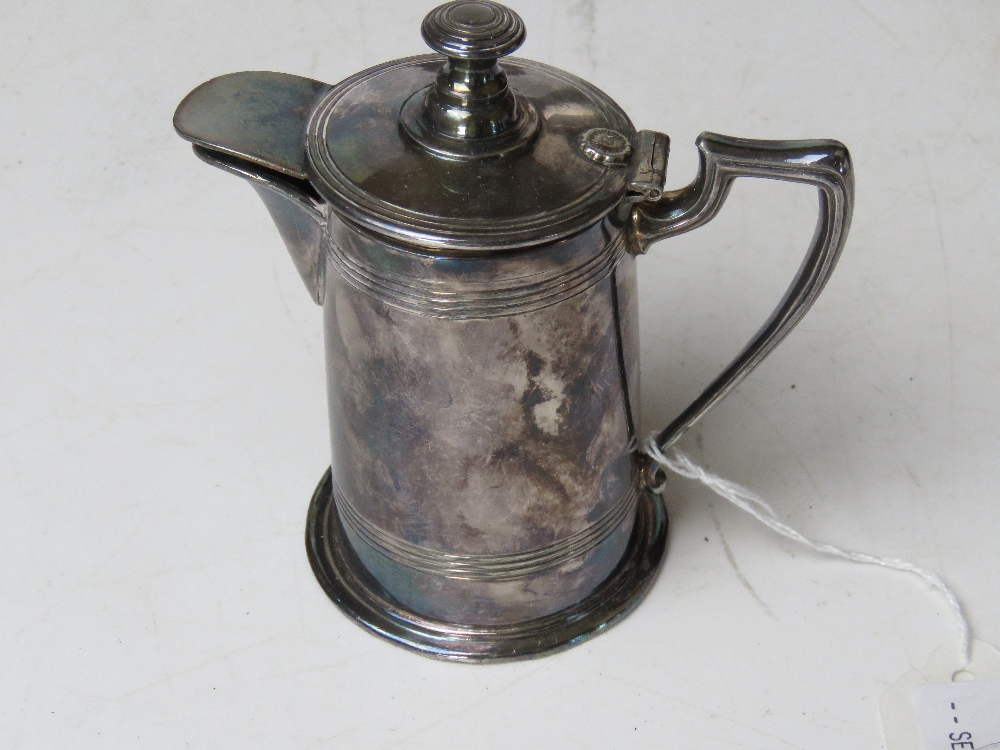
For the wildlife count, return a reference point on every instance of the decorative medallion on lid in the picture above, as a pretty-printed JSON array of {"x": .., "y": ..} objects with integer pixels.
[
  {"x": 470, "y": 112},
  {"x": 605, "y": 146}
]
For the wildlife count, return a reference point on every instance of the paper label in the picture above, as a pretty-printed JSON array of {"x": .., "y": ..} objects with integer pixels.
[
  {"x": 959, "y": 715},
  {"x": 917, "y": 711}
]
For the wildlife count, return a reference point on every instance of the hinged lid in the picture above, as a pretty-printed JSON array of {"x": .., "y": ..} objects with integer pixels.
[{"x": 457, "y": 152}]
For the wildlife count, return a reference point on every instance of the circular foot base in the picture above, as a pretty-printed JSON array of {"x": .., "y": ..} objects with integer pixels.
[{"x": 363, "y": 599}]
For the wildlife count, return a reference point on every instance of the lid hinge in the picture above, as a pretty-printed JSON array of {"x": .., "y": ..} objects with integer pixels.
[{"x": 649, "y": 166}]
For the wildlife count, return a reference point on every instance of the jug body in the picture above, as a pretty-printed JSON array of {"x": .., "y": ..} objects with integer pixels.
[
  {"x": 481, "y": 414},
  {"x": 471, "y": 231}
]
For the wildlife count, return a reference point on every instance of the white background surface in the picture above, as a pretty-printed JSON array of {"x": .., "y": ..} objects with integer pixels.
[{"x": 163, "y": 420}]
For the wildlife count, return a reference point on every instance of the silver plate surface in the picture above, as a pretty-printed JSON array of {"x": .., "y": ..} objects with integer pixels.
[{"x": 361, "y": 598}]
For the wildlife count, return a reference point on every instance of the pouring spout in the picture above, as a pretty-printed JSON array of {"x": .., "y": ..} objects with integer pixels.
[
  {"x": 297, "y": 211},
  {"x": 253, "y": 125}
]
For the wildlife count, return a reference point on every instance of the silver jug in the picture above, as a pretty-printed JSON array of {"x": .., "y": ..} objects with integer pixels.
[{"x": 472, "y": 232}]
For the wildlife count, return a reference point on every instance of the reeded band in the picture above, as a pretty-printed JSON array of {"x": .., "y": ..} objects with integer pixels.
[
  {"x": 489, "y": 299},
  {"x": 498, "y": 567}
]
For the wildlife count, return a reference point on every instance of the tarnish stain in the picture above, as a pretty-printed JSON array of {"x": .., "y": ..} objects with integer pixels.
[
  {"x": 736, "y": 568},
  {"x": 547, "y": 416},
  {"x": 545, "y": 396},
  {"x": 523, "y": 462}
]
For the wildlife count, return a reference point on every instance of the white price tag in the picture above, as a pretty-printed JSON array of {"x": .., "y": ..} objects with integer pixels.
[
  {"x": 959, "y": 715},
  {"x": 926, "y": 710}
]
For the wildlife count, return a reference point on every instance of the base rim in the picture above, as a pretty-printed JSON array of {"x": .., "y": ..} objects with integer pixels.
[{"x": 355, "y": 591}]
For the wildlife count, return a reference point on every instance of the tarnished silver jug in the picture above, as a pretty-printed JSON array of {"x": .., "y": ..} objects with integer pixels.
[{"x": 471, "y": 232}]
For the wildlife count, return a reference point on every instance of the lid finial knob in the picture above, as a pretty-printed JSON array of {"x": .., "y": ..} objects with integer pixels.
[
  {"x": 470, "y": 112},
  {"x": 476, "y": 30}
]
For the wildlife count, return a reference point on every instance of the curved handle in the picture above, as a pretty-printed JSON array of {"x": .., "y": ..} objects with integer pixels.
[{"x": 825, "y": 164}]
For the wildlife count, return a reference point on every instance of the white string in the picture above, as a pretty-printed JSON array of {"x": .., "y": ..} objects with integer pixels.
[{"x": 753, "y": 504}]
